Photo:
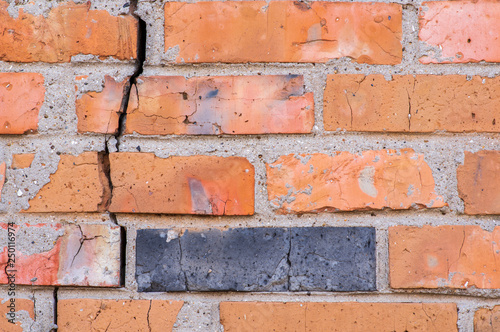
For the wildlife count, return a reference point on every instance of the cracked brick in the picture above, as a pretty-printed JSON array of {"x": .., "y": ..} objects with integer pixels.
[
  {"x": 487, "y": 320},
  {"x": 444, "y": 257},
  {"x": 283, "y": 31},
  {"x": 164, "y": 105},
  {"x": 373, "y": 180},
  {"x": 144, "y": 183}
]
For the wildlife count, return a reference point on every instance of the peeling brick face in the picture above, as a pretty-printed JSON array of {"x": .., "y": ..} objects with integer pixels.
[
  {"x": 78, "y": 185},
  {"x": 144, "y": 183},
  {"x": 84, "y": 315},
  {"x": 21, "y": 97},
  {"x": 99, "y": 112},
  {"x": 444, "y": 256},
  {"x": 479, "y": 182},
  {"x": 347, "y": 316},
  {"x": 407, "y": 103},
  {"x": 347, "y": 182},
  {"x": 460, "y": 31},
  {"x": 487, "y": 320},
  {"x": 81, "y": 255},
  {"x": 283, "y": 31},
  {"x": 68, "y": 30},
  {"x": 163, "y": 105}
]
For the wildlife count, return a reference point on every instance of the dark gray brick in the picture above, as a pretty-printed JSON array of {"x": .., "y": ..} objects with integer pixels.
[
  {"x": 158, "y": 262},
  {"x": 332, "y": 259}
]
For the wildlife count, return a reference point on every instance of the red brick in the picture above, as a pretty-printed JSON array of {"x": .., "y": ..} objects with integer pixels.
[
  {"x": 74, "y": 315},
  {"x": 99, "y": 112},
  {"x": 144, "y": 183},
  {"x": 166, "y": 105},
  {"x": 69, "y": 29},
  {"x": 487, "y": 320},
  {"x": 3, "y": 168},
  {"x": 346, "y": 182},
  {"x": 348, "y": 316},
  {"x": 479, "y": 182},
  {"x": 22, "y": 160},
  {"x": 283, "y": 31},
  {"x": 420, "y": 103},
  {"x": 21, "y": 96},
  {"x": 78, "y": 185},
  {"x": 444, "y": 256},
  {"x": 21, "y": 305},
  {"x": 460, "y": 31},
  {"x": 79, "y": 255}
]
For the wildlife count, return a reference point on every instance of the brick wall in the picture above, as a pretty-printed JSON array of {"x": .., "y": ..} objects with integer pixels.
[{"x": 250, "y": 166}]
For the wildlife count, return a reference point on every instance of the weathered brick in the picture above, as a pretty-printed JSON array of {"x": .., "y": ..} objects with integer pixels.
[
  {"x": 332, "y": 259},
  {"x": 420, "y": 103},
  {"x": 256, "y": 259},
  {"x": 487, "y": 320},
  {"x": 283, "y": 31},
  {"x": 23, "y": 160},
  {"x": 460, "y": 31},
  {"x": 242, "y": 259},
  {"x": 21, "y": 96},
  {"x": 347, "y": 316},
  {"x": 69, "y": 29},
  {"x": 78, "y": 185},
  {"x": 23, "y": 308},
  {"x": 346, "y": 182},
  {"x": 444, "y": 256},
  {"x": 144, "y": 183},
  {"x": 3, "y": 168},
  {"x": 220, "y": 105},
  {"x": 71, "y": 255},
  {"x": 74, "y": 315},
  {"x": 99, "y": 112},
  {"x": 479, "y": 182}
]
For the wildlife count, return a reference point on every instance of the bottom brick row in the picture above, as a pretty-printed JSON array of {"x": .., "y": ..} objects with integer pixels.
[{"x": 160, "y": 315}]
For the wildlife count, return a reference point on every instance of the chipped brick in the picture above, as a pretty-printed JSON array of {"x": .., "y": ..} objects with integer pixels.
[
  {"x": 487, "y": 320},
  {"x": 22, "y": 307},
  {"x": 22, "y": 160}
]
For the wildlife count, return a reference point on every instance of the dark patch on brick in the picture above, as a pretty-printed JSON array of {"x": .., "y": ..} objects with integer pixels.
[
  {"x": 158, "y": 262},
  {"x": 332, "y": 259},
  {"x": 212, "y": 94}
]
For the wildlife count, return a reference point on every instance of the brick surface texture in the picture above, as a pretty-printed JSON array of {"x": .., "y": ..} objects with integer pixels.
[{"x": 250, "y": 165}]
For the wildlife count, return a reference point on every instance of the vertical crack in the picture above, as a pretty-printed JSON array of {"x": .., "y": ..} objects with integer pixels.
[
  {"x": 55, "y": 327},
  {"x": 147, "y": 317},
  {"x": 288, "y": 257}
]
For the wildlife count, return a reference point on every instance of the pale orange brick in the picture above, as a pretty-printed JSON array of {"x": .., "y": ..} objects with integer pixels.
[
  {"x": 444, "y": 256},
  {"x": 478, "y": 182},
  {"x": 420, "y": 103},
  {"x": 144, "y": 183},
  {"x": 99, "y": 112},
  {"x": 487, "y": 320},
  {"x": 3, "y": 168},
  {"x": 346, "y": 182},
  {"x": 22, "y": 160},
  {"x": 163, "y": 105},
  {"x": 21, "y": 97},
  {"x": 348, "y": 316},
  {"x": 69, "y": 29},
  {"x": 78, "y": 185},
  {"x": 21, "y": 306},
  {"x": 460, "y": 31},
  {"x": 74, "y": 315},
  {"x": 283, "y": 31}
]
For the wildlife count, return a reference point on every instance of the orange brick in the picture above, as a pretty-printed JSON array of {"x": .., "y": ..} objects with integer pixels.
[
  {"x": 479, "y": 182},
  {"x": 78, "y": 185},
  {"x": 69, "y": 30},
  {"x": 348, "y": 182},
  {"x": 3, "y": 168},
  {"x": 421, "y": 103},
  {"x": 99, "y": 112},
  {"x": 487, "y": 320},
  {"x": 76, "y": 315},
  {"x": 21, "y": 96},
  {"x": 22, "y": 160},
  {"x": 220, "y": 105},
  {"x": 349, "y": 316},
  {"x": 444, "y": 256},
  {"x": 144, "y": 183},
  {"x": 20, "y": 305},
  {"x": 460, "y": 31},
  {"x": 283, "y": 31}
]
